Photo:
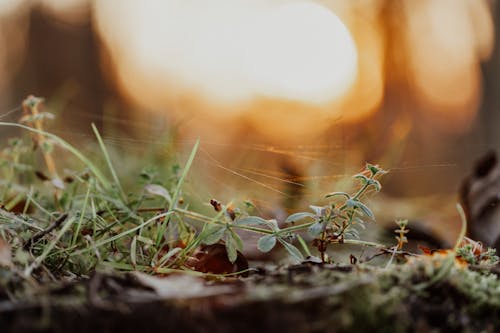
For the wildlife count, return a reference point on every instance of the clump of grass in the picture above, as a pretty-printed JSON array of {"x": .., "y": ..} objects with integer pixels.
[
  {"x": 69, "y": 225},
  {"x": 63, "y": 216},
  {"x": 62, "y": 221}
]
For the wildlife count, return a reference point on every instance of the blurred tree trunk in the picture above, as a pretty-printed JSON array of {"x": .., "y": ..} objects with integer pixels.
[
  {"x": 62, "y": 64},
  {"x": 490, "y": 110}
]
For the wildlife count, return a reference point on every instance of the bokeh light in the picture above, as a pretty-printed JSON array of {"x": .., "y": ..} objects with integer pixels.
[{"x": 233, "y": 51}]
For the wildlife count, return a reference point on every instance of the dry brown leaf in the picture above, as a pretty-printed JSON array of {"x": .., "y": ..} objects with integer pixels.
[{"x": 213, "y": 259}]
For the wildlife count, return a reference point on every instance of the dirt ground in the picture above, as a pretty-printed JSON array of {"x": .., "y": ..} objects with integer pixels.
[{"x": 302, "y": 298}]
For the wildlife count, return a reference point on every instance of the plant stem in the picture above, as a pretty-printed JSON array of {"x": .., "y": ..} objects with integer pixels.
[
  {"x": 297, "y": 227},
  {"x": 364, "y": 243},
  {"x": 361, "y": 191},
  {"x": 49, "y": 161}
]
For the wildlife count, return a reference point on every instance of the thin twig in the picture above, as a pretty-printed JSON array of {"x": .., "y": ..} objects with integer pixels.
[
  {"x": 36, "y": 237},
  {"x": 386, "y": 251}
]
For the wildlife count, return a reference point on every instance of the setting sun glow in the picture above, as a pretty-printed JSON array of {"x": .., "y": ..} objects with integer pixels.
[{"x": 231, "y": 51}]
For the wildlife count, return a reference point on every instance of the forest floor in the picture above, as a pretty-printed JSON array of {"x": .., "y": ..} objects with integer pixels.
[
  {"x": 306, "y": 297},
  {"x": 86, "y": 246}
]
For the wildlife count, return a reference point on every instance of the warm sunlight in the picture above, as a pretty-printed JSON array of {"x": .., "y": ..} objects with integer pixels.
[
  {"x": 448, "y": 83},
  {"x": 191, "y": 165},
  {"x": 231, "y": 51}
]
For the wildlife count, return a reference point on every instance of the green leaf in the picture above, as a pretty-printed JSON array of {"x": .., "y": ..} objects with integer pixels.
[
  {"x": 133, "y": 251},
  {"x": 251, "y": 220},
  {"x": 358, "y": 204},
  {"x": 273, "y": 224},
  {"x": 237, "y": 240},
  {"x": 159, "y": 191},
  {"x": 402, "y": 223},
  {"x": 232, "y": 253},
  {"x": 372, "y": 168},
  {"x": 145, "y": 240},
  {"x": 375, "y": 169},
  {"x": 375, "y": 183},
  {"x": 255, "y": 220},
  {"x": 292, "y": 250},
  {"x": 318, "y": 210},
  {"x": 335, "y": 194},
  {"x": 365, "y": 209},
  {"x": 169, "y": 255},
  {"x": 353, "y": 232},
  {"x": 350, "y": 203},
  {"x": 266, "y": 243},
  {"x": 359, "y": 222},
  {"x": 362, "y": 177},
  {"x": 299, "y": 216},
  {"x": 212, "y": 234},
  {"x": 315, "y": 229}
]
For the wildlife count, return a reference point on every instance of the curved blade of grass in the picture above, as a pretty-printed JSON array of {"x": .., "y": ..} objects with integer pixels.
[
  {"x": 168, "y": 255},
  {"x": 463, "y": 229},
  {"x": 64, "y": 144},
  {"x": 108, "y": 160},
  {"x": 185, "y": 171},
  {"x": 304, "y": 245},
  {"x": 133, "y": 251},
  {"x": 82, "y": 215},
  {"x": 175, "y": 196}
]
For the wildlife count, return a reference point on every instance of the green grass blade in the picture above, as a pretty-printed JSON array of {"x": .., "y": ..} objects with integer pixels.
[
  {"x": 64, "y": 144},
  {"x": 303, "y": 243},
  {"x": 175, "y": 197},
  {"x": 82, "y": 215},
  {"x": 133, "y": 251},
  {"x": 185, "y": 171},
  {"x": 108, "y": 160}
]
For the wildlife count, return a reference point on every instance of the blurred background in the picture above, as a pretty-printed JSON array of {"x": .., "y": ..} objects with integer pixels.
[{"x": 287, "y": 96}]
